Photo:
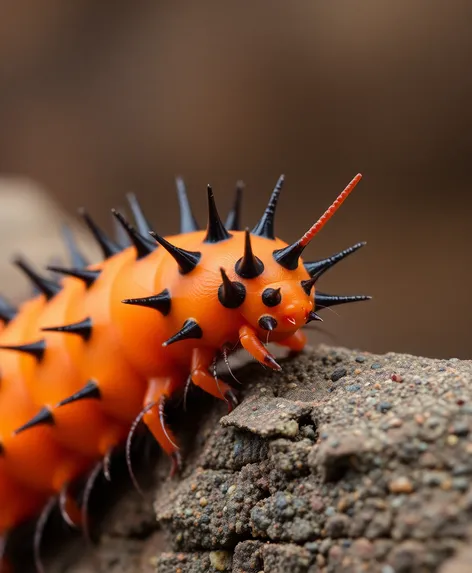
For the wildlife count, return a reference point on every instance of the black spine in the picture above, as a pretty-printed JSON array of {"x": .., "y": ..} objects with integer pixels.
[
  {"x": 249, "y": 266},
  {"x": 35, "y": 349},
  {"x": 216, "y": 231},
  {"x": 265, "y": 227},
  {"x": 88, "y": 277},
  {"x": 88, "y": 392},
  {"x": 43, "y": 417},
  {"x": 233, "y": 220},
  {"x": 187, "y": 260},
  {"x": 188, "y": 223},
  {"x": 142, "y": 245},
  {"x": 77, "y": 259},
  {"x": 108, "y": 247},
  {"x": 313, "y": 316},
  {"x": 82, "y": 329},
  {"x": 288, "y": 257},
  {"x": 190, "y": 329},
  {"x": 140, "y": 218},
  {"x": 271, "y": 296},
  {"x": 45, "y": 286},
  {"x": 323, "y": 300},
  {"x": 268, "y": 322},
  {"x": 7, "y": 311},
  {"x": 160, "y": 302},
  {"x": 230, "y": 294},
  {"x": 318, "y": 268}
]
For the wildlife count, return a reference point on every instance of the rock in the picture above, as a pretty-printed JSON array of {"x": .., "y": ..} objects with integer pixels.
[
  {"x": 401, "y": 485},
  {"x": 267, "y": 417},
  {"x": 247, "y": 557},
  {"x": 337, "y": 526},
  {"x": 338, "y": 374},
  {"x": 284, "y": 558},
  {"x": 364, "y": 486}
]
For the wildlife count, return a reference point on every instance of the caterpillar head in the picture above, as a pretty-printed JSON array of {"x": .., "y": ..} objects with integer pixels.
[
  {"x": 275, "y": 301},
  {"x": 279, "y": 288},
  {"x": 278, "y": 309},
  {"x": 265, "y": 291}
]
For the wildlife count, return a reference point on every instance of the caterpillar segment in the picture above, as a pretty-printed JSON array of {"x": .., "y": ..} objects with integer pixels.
[
  {"x": 32, "y": 457},
  {"x": 104, "y": 347}
]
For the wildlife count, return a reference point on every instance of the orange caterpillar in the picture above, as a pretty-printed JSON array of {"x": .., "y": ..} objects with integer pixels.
[{"x": 79, "y": 368}]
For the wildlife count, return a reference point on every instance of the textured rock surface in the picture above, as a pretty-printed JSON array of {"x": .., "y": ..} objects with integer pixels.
[{"x": 343, "y": 462}]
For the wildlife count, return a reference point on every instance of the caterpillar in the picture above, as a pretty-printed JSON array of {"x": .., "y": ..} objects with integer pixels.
[{"x": 106, "y": 345}]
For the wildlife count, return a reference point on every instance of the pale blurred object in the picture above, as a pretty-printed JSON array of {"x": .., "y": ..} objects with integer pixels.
[{"x": 31, "y": 226}]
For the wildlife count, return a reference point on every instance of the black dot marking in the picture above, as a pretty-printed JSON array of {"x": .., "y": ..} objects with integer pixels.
[
  {"x": 231, "y": 296},
  {"x": 267, "y": 322},
  {"x": 271, "y": 296}
]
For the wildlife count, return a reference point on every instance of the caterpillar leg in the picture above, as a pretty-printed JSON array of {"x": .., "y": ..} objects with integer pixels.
[
  {"x": 202, "y": 359},
  {"x": 4, "y": 565},
  {"x": 39, "y": 531},
  {"x": 159, "y": 390},
  {"x": 89, "y": 485},
  {"x": 296, "y": 342},
  {"x": 250, "y": 342},
  {"x": 70, "y": 511}
]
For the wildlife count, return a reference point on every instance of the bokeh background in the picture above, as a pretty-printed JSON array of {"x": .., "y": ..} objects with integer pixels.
[{"x": 98, "y": 99}]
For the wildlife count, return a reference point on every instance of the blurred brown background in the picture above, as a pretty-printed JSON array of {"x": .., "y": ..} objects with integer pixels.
[{"x": 97, "y": 99}]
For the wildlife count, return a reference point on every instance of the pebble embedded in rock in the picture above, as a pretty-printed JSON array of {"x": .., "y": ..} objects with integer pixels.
[
  {"x": 337, "y": 526},
  {"x": 220, "y": 560},
  {"x": 384, "y": 407},
  {"x": 460, "y": 483},
  {"x": 401, "y": 485},
  {"x": 338, "y": 374},
  {"x": 353, "y": 387},
  {"x": 363, "y": 548},
  {"x": 460, "y": 428},
  {"x": 452, "y": 440}
]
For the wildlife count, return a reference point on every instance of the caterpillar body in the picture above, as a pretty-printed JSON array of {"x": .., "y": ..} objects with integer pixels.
[{"x": 107, "y": 344}]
